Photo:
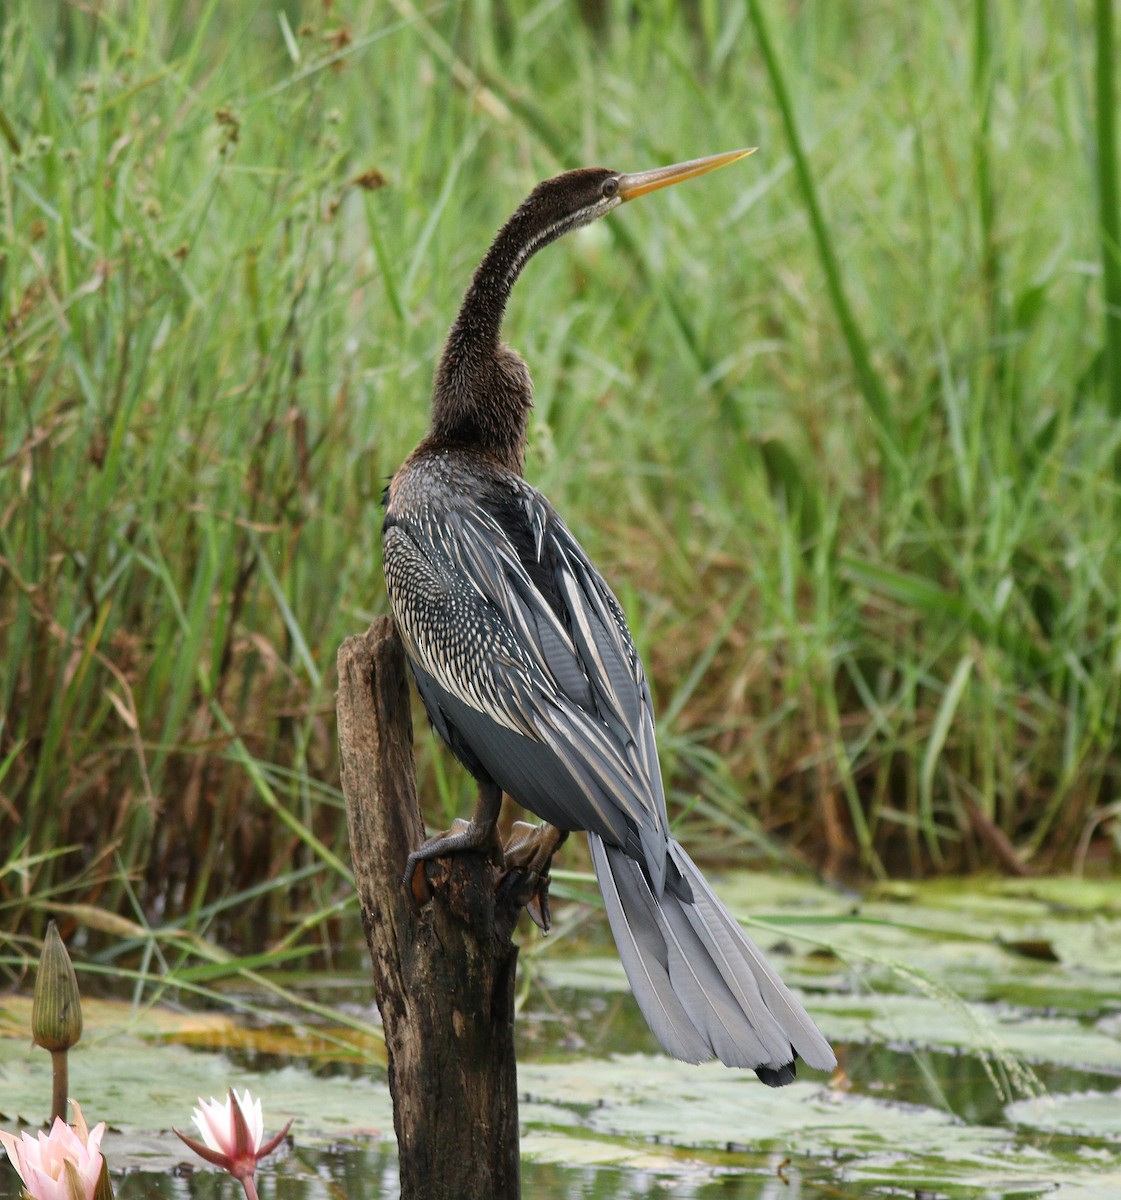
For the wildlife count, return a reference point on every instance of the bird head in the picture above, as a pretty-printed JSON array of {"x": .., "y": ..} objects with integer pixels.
[{"x": 582, "y": 196}]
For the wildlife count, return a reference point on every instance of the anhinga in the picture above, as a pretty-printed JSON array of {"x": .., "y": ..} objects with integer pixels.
[{"x": 527, "y": 669}]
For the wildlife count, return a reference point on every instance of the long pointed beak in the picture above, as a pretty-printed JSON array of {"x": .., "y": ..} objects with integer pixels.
[{"x": 642, "y": 182}]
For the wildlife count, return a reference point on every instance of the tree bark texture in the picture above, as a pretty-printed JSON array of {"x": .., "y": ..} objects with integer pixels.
[{"x": 444, "y": 970}]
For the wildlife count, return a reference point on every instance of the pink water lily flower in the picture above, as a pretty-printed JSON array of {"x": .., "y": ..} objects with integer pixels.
[
  {"x": 233, "y": 1131},
  {"x": 64, "y": 1164}
]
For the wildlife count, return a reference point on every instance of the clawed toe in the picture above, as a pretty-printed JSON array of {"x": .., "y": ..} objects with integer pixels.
[
  {"x": 528, "y": 856},
  {"x": 522, "y": 864},
  {"x": 461, "y": 837}
]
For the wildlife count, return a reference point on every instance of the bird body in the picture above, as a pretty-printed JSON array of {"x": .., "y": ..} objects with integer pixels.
[
  {"x": 527, "y": 670},
  {"x": 521, "y": 653}
]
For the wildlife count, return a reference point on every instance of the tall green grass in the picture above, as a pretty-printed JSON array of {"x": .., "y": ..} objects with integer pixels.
[
  {"x": 1109, "y": 191},
  {"x": 831, "y": 421}
]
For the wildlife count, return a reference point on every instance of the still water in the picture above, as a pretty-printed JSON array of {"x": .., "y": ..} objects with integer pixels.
[{"x": 978, "y": 1027}]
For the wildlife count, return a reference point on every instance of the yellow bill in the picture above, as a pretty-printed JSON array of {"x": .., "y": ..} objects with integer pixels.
[{"x": 642, "y": 182}]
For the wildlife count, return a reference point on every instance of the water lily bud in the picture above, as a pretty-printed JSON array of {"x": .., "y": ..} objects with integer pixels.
[{"x": 56, "y": 1015}]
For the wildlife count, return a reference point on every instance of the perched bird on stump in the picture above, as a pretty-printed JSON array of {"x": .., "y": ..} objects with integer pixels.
[{"x": 527, "y": 669}]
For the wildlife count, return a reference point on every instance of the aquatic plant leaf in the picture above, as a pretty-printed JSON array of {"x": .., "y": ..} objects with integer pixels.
[
  {"x": 143, "y": 1088},
  {"x": 1081, "y": 1114}
]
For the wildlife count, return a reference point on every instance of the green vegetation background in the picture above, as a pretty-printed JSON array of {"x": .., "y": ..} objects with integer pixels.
[{"x": 838, "y": 423}]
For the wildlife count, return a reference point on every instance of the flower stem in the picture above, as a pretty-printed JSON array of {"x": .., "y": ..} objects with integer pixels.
[
  {"x": 250, "y": 1187},
  {"x": 60, "y": 1071}
]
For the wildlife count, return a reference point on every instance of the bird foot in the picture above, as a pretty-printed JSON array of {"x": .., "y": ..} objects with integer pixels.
[
  {"x": 528, "y": 855},
  {"x": 462, "y": 836}
]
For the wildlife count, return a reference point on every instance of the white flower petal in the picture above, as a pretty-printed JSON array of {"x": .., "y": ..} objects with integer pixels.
[
  {"x": 215, "y": 1123},
  {"x": 254, "y": 1119}
]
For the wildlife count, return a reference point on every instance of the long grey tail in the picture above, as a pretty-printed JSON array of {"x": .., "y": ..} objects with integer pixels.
[{"x": 705, "y": 990}]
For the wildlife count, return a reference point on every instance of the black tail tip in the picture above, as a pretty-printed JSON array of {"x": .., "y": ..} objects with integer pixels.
[{"x": 777, "y": 1076}]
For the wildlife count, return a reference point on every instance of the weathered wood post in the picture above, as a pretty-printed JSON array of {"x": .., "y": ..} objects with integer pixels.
[{"x": 443, "y": 970}]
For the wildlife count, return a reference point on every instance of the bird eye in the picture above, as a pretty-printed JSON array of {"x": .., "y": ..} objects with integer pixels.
[{"x": 609, "y": 188}]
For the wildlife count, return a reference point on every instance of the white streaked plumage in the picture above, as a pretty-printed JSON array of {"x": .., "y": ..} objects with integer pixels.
[{"x": 524, "y": 660}]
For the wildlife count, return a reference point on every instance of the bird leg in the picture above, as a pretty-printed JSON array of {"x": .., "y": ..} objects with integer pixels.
[
  {"x": 529, "y": 855},
  {"x": 475, "y": 834}
]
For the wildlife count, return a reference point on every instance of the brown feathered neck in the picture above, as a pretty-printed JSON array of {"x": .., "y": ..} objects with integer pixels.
[{"x": 483, "y": 393}]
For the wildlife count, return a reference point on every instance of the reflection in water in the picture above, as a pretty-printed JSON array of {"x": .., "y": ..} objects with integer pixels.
[
  {"x": 345, "y": 1173},
  {"x": 370, "y": 1173}
]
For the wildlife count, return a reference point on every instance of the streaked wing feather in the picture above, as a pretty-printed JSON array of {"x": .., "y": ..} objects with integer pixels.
[
  {"x": 615, "y": 648},
  {"x": 499, "y": 645}
]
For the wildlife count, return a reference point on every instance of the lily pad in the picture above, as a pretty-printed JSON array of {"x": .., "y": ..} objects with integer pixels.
[
  {"x": 143, "y": 1090},
  {"x": 709, "y": 1110},
  {"x": 994, "y": 1030},
  {"x": 1082, "y": 1114},
  {"x": 922, "y": 987}
]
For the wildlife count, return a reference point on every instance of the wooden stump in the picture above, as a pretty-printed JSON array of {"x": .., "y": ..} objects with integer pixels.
[{"x": 444, "y": 971}]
